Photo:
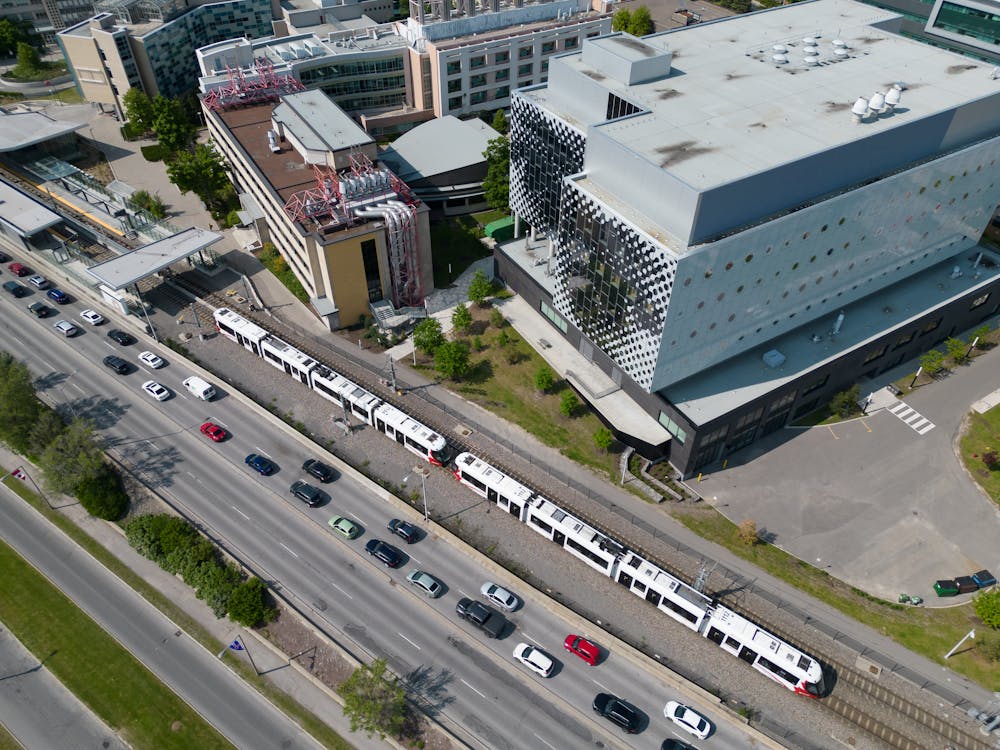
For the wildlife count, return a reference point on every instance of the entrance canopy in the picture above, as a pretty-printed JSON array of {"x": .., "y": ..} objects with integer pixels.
[
  {"x": 24, "y": 214},
  {"x": 128, "y": 269}
]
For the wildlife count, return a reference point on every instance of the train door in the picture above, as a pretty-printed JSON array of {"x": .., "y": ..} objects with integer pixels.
[
  {"x": 492, "y": 495},
  {"x": 380, "y": 425},
  {"x": 559, "y": 538},
  {"x": 515, "y": 510},
  {"x": 716, "y": 636},
  {"x": 748, "y": 655}
]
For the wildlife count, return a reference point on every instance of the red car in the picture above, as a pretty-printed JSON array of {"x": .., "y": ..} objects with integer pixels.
[
  {"x": 577, "y": 644},
  {"x": 212, "y": 430},
  {"x": 18, "y": 270}
]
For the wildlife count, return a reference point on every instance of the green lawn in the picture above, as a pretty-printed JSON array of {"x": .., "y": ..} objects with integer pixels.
[
  {"x": 931, "y": 632},
  {"x": 456, "y": 244},
  {"x": 91, "y": 664},
  {"x": 983, "y": 435}
]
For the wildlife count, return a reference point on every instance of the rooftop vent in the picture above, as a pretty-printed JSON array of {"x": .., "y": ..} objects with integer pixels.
[
  {"x": 782, "y": 49},
  {"x": 839, "y": 43},
  {"x": 840, "y": 51},
  {"x": 811, "y": 60},
  {"x": 859, "y": 110},
  {"x": 773, "y": 358},
  {"x": 779, "y": 59}
]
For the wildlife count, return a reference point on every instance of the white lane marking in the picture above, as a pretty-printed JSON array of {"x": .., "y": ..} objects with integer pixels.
[
  {"x": 240, "y": 512},
  {"x": 474, "y": 690},
  {"x": 414, "y": 559},
  {"x": 530, "y": 638},
  {"x": 544, "y": 742},
  {"x": 288, "y": 549},
  {"x": 261, "y": 451},
  {"x": 408, "y": 641},
  {"x": 191, "y": 475},
  {"x": 341, "y": 590},
  {"x": 603, "y": 687},
  {"x": 463, "y": 593},
  {"x": 77, "y": 387}
]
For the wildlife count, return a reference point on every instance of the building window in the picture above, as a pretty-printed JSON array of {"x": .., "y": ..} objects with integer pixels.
[
  {"x": 673, "y": 428},
  {"x": 476, "y": 81},
  {"x": 477, "y": 62},
  {"x": 455, "y": 102},
  {"x": 903, "y": 340},
  {"x": 557, "y": 320},
  {"x": 524, "y": 70},
  {"x": 571, "y": 43},
  {"x": 369, "y": 257},
  {"x": 477, "y": 97},
  {"x": 979, "y": 301},
  {"x": 876, "y": 354},
  {"x": 502, "y": 92},
  {"x": 782, "y": 402},
  {"x": 501, "y": 57},
  {"x": 815, "y": 385},
  {"x": 502, "y": 75},
  {"x": 454, "y": 67},
  {"x": 930, "y": 327},
  {"x": 455, "y": 86},
  {"x": 523, "y": 53},
  {"x": 548, "y": 48}
]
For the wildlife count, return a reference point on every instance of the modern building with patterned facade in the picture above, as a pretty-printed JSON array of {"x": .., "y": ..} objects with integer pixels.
[{"x": 733, "y": 234}]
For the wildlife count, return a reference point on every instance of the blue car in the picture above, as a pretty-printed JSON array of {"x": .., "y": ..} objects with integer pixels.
[
  {"x": 60, "y": 298},
  {"x": 263, "y": 466}
]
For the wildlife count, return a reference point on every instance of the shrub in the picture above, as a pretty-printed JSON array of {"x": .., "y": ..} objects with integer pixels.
[
  {"x": 989, "y": 645},
  {"x": 957, "y": 350},
  {"x": 991, "y": 459},
  {"x": 603, "y": 439},
  {"x": 461, "y": 318},
  {"x": 512, "y": 355},
  {"x": 544, "y": 379},
  {"x": 103, "y": 495},
  {"x": 982, "y": 333},
  {"x": 496, "y": 318},
  {"x": 568, "y": 404},
  {"x": 746, "y": 532},
  {"x": 477, "y": 343},
  {"x": 233, "y": 218},
  {"x": 250, "y": 604},
  {"x": 503, "y": 339},
  {"x": 987, "y": 607},
  {"x": 480, "y": 288},
  {"x": 845, "y": 403},
  {"x": 932, "y": 362}
]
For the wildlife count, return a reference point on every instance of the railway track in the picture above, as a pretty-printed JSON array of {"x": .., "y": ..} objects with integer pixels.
[{"x": 894, "y": 720}]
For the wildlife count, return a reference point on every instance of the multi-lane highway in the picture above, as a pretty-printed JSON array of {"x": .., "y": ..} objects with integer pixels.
[{"x": 474, "y": 682}]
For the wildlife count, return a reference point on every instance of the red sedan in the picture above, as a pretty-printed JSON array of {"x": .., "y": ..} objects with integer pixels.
[
  {"x": 212, "y": 430},
  {"x": 586, "y": 650},
  {"x": 18, "y": 270}
]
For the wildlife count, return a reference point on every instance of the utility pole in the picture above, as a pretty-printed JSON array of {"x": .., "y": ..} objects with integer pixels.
[
  {"x": 392, "y": 372},
  {"x": 971, "y": 634}
]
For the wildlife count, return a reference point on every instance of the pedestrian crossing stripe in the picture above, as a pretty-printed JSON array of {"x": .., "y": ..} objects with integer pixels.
[{"x": 912, "y": 418}]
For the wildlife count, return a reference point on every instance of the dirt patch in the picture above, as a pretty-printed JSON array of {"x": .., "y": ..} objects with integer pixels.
[{"x": 93, "y": 161}]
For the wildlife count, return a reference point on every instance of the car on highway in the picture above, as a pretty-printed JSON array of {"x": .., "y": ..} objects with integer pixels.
[
  {"x": 404, "y": 530},
  {"x": 214, "y": 432},
  {"x": 305, "y": 492},
  {"x": 586, "y": 650},
  {"x": 499, "y": 596},
  {"x": 92, "y": 317},
  {"x": 261, "y": 464},
  {"x": 425, "y": 583},
  {"x": 534, "y": 659},
  {"x": 40, "y": 310},
  {"x": 687, "y": 719},
  {"x": 120, "y": 337},
  {"x": 319, "y": 470},
  {"x": 151, "y": 360},
  {"x": 345, "y": 527},
  {"x": 672, "y": 744},
  {"x": 617, "y": 711},
  {"x": 65, "y": 328},
  {"x": 4, "y": 257},
  {"x": 57, "y": 296},
  {"x": 12, "y": 287},
  {"x": 117, "y": 364},
  {"x": 156, "y": 390},
  {"x": 19, "y": 270},
  {"x": 39, "y": 282},
  {"x": 384, "y": 553}
]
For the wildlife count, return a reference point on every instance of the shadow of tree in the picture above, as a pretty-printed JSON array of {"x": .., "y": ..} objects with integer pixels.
[
  {"x": 431, "y": 684},
  {"x": 101, "y": 412},
  {"x": 479, "y": 373},
  {"x": 155, "y": 466},
  {"x": 51, "y": 380}
]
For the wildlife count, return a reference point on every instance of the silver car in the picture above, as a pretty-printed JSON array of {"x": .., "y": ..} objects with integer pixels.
[
  {"x": 499, "y": 596},
  {"x": 425, "y": 583}
]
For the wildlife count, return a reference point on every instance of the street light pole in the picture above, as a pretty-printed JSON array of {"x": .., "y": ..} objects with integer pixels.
[
  {"x": 423, "y": 491},
  {"x": 971, "y": 634}
]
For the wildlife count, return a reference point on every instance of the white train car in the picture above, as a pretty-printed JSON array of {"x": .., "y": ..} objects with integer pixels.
[
  {"x": 670, "y": 595},
  {"x": 284, "y": 356},
  {"x": 237, "y": 328},
  {"x": 765, "y": 652},
  {"x": 493, "y": 484},
  {"x": 414, "y": 436},
  {"x": 582, "y": 541},
  {"x": 362, "y": 402},
  {"x": 324, "y": 381}
]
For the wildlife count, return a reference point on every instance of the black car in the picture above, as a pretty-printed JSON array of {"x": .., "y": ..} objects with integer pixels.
[
  {"x": 617, "y": 711},
  {"x": 404, "y": 530},
  {"x": 4, "y": 257},
  {"x": 386, "y": 553},
  {"x": 14, "y": 288},
  {"x": 306, "y": 493},
  {"x": 319, "y": 470},
  {"x": 670, "y": 744},
  {"x": 40, "y": 309},
  {"x": 121, "y": 337},
  {"x": 117, "y": 364}
]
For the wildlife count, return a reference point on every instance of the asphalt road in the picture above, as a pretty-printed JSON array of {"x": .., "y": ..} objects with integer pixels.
[{"x": 473, "y": 681}]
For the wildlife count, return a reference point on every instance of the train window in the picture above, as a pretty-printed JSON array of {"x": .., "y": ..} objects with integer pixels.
[
  {"x": 716, "y": 636},
  {"x": 732, "y": 642},
  {"x": 675, "y": 607},
  {"x": 640, "y": 587},
  {"x": 804, "y": 663},
  {"x": 587, "y": 553},
  {"x": 225, "y": 329},
  {"x": 474, "y": 482},
  {"x": 633, "y": 562},
  {"x": 777, "y": 671},
  {"x": 748, "y": 655},
  {"x": 323, "y": 389},
  {"x": 272, "y": 357},
  {"x": 654, "y": 597},
  {"x": 535, "y": 520}
]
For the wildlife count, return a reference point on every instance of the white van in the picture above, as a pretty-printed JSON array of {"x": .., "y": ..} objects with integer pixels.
[{"x": 200, "y": 388}]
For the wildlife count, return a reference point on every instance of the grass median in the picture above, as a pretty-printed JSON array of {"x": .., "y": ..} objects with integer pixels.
[{"x": 92, "y": 665}]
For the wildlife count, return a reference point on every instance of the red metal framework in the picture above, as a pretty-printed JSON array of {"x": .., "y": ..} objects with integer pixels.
[
  {"x": 263, "y": 85},
  {"x": 320, "y": 202}
]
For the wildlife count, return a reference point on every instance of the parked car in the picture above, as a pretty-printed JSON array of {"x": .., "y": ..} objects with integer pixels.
[
  {"x": 214, "y": 431},
  {"x": 57, "y": 296},
  {"x": 92, "y": 317},
  {"x": 425, "y": 583},
  {"x": 617, "y": 711},
  {"x": 385, "y": 553},
  {"x": 319, "y": 470},
  {"x": 120, "y": 337},
  {"x": 39, "y": 282},
  {"x": 345, "y": 527},
  {"x": 534, "y": 659},
  {"x": 586, "y": 650},
  {"x": 261, "y": 464},
  {"x": 404, "y": 530},
  {"x": 499, "y": 596},
  {"x": 672, "y": 744},
  {"x": 151, "y": 360},
  {"x": 687, "y": 719},
  {"x": 40, "y": 310},
  {"x": 66, "y": 328},
  {"x": 117, "y": 364},
  {"x": 156, "y": 390},
  {"x": 19, "y": 270},
  {"x": 306, "y": 493},
  {"x": 12, "y": 287},
  {"x": 4, "y": 257}
]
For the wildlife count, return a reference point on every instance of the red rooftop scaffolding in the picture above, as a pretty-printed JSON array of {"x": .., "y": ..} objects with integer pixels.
[{"x": 262, "y": 85}]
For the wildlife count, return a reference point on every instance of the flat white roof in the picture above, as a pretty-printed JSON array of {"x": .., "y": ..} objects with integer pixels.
[
  {"x": 438, "y": 146},
  {"x": 127, "y": 269},
  {"x": 318, "y": 123},
  {"x": 22, "y": 129},
  {"x": 729, "y": 110},
  {"x": 22, "y": 212}
]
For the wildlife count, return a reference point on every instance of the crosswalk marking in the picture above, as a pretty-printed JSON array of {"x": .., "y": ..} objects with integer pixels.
[{"x": 912, "y": 418}]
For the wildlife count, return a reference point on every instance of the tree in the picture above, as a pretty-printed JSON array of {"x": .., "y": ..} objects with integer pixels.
[
  {"x": 13, "y": 32},
  {"x": 150, "y": 202},
  {"x": 18, "y": 406},
  {"x": 568, "y": 403},
  {"x": 503, "y": 339},
  {"x": 373, "y": 700},
  {"x": 500, "y": 122},
  {"x": 103, "y": 495},
  {"x": 932, "y": 362},
  {"x": 981, "y": 334},
  {"x": 957, "y": 350},
  {"x": 641, "y": 22},
  {"x": 496, "y": 184},
  {"x": 172, "y": 127},
  {"x": 746, "y": 532},
  {"x": 621, "y": 19},
  {"x": 48, "y": 426},
  {"x": 250, "y": 604},
  {"x": 427, "y": 335},
  {"x": 991, "y": 459},
  {"x": 987, "y": 607},
  {"x": 451, "y": 359},
  {"x": 200, "y": 171},
  {"x": 461, "y": 319},
  {"x": 73, "y": 457},
  {"x": 843, "y": 404},
  {"x": 603, "y": 439},
  {"x": 403, "y": 9},
  {"x": 544, "y": 379},
  {"x": 139, "y": 108},
  {"x": 480, "y": 288},
  {"x": 496, "y": 318},
  {"x": 28, "y": 60}
]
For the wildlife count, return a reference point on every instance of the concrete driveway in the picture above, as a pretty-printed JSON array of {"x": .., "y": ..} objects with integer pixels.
[{"x": 873, "y": 501}]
